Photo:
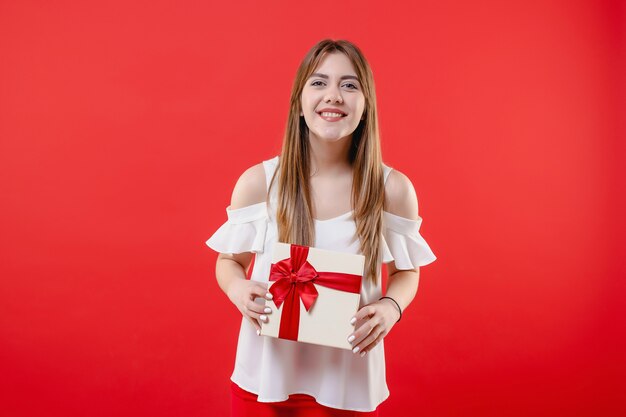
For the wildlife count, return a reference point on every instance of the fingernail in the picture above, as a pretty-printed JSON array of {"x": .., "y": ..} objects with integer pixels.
[
  {"x": 269, "y": 296},
  {"x": 351, "y": 338},
  {"x": 258, "y": 332},
  {"x": 353, "y": 320},
  {"x": 268, "y": 310},
  {"x": 363, "y": 353},
  {"x": 356, "y": 349},
  {"x": 263, "y": 317}
]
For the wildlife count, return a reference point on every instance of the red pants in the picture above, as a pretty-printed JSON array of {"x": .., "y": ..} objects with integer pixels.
[{"x": 245, "y": 404}]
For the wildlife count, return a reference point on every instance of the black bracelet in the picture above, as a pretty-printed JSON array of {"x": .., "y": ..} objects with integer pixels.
[{"x": 399, "y": 309}]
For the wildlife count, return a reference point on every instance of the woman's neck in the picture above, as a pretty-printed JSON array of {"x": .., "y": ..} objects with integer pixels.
[{"x": 329, "y": 158}]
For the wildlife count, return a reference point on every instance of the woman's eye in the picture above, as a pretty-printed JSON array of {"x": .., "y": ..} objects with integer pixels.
[{"x": 349, "y": 85}]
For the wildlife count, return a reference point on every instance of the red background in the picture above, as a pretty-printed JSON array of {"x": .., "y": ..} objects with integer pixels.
[{"x": 124, "y": 126}]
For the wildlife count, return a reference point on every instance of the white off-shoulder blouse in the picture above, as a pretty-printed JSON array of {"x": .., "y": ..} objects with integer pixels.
[{"x": 274, "y": 368}]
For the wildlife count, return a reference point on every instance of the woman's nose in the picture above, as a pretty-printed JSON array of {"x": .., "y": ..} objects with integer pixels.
[{"x": 333, "y": 95}]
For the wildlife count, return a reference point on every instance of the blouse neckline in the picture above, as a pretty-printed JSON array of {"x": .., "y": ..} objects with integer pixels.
[
  {"x": 341, "y": 216},
  {"x": 252, "y": 207}
]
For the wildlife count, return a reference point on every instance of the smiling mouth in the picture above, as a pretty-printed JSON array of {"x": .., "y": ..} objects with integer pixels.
[{"x": 331, "y": 115}]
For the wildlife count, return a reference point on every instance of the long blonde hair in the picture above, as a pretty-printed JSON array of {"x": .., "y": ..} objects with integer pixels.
[{"x": 294, "y": 215}]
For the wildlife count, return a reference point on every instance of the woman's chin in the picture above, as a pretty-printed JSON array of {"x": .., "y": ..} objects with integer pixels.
[{"x": 331, "y": 137}]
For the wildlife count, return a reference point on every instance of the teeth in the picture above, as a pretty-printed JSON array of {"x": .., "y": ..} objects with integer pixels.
[{"x": 328, "y": 114}]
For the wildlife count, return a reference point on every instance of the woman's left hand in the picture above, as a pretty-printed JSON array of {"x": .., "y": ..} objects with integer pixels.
[{"x": 373, "y": 322}]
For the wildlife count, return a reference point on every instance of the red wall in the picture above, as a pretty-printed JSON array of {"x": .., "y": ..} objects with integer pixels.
[{"x": 124, "y": 126}]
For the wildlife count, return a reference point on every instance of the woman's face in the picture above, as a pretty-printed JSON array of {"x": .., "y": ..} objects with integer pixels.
[{"x": 333, "y": 86}]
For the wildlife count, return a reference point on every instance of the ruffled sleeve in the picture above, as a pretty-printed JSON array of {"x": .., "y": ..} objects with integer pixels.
[
  {"x": 244, "y": 231},
  {"x": 403, "y": 244}
]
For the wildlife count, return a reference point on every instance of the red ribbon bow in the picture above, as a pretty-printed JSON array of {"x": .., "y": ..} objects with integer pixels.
[{"x": 294, "y": 278}]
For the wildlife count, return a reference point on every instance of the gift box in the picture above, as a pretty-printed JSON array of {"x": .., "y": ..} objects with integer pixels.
[{"x": 316, "y": 292}]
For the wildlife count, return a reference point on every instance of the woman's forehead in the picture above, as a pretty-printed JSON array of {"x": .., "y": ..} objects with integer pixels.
[{"x": 335, "y": 63}]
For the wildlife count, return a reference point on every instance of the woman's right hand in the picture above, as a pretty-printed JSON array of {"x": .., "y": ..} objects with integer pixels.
[{"x": 242, "y": 293}]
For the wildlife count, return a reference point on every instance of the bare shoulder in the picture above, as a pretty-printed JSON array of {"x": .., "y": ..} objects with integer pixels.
[
  {"x": 250, "y": 188},
  {"x": 400, "y": 196}
]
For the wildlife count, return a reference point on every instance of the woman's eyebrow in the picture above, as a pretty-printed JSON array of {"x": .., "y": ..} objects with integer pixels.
[{"x": 343, "y": 77}]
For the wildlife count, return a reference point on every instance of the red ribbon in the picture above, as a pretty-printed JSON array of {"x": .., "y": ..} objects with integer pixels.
[{"x": 294, "y": 278}]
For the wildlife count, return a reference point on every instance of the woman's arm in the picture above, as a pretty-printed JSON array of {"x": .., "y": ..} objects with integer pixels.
[
  {"x": 374, "y": 321},
  {"x": 401, "y": 200},
  {"x": 401, "y": 286},
  {"x": 231, "y": 269}
]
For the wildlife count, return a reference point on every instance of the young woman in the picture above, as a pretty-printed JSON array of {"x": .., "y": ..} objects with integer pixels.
[{"x": 327, "y": 189}]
